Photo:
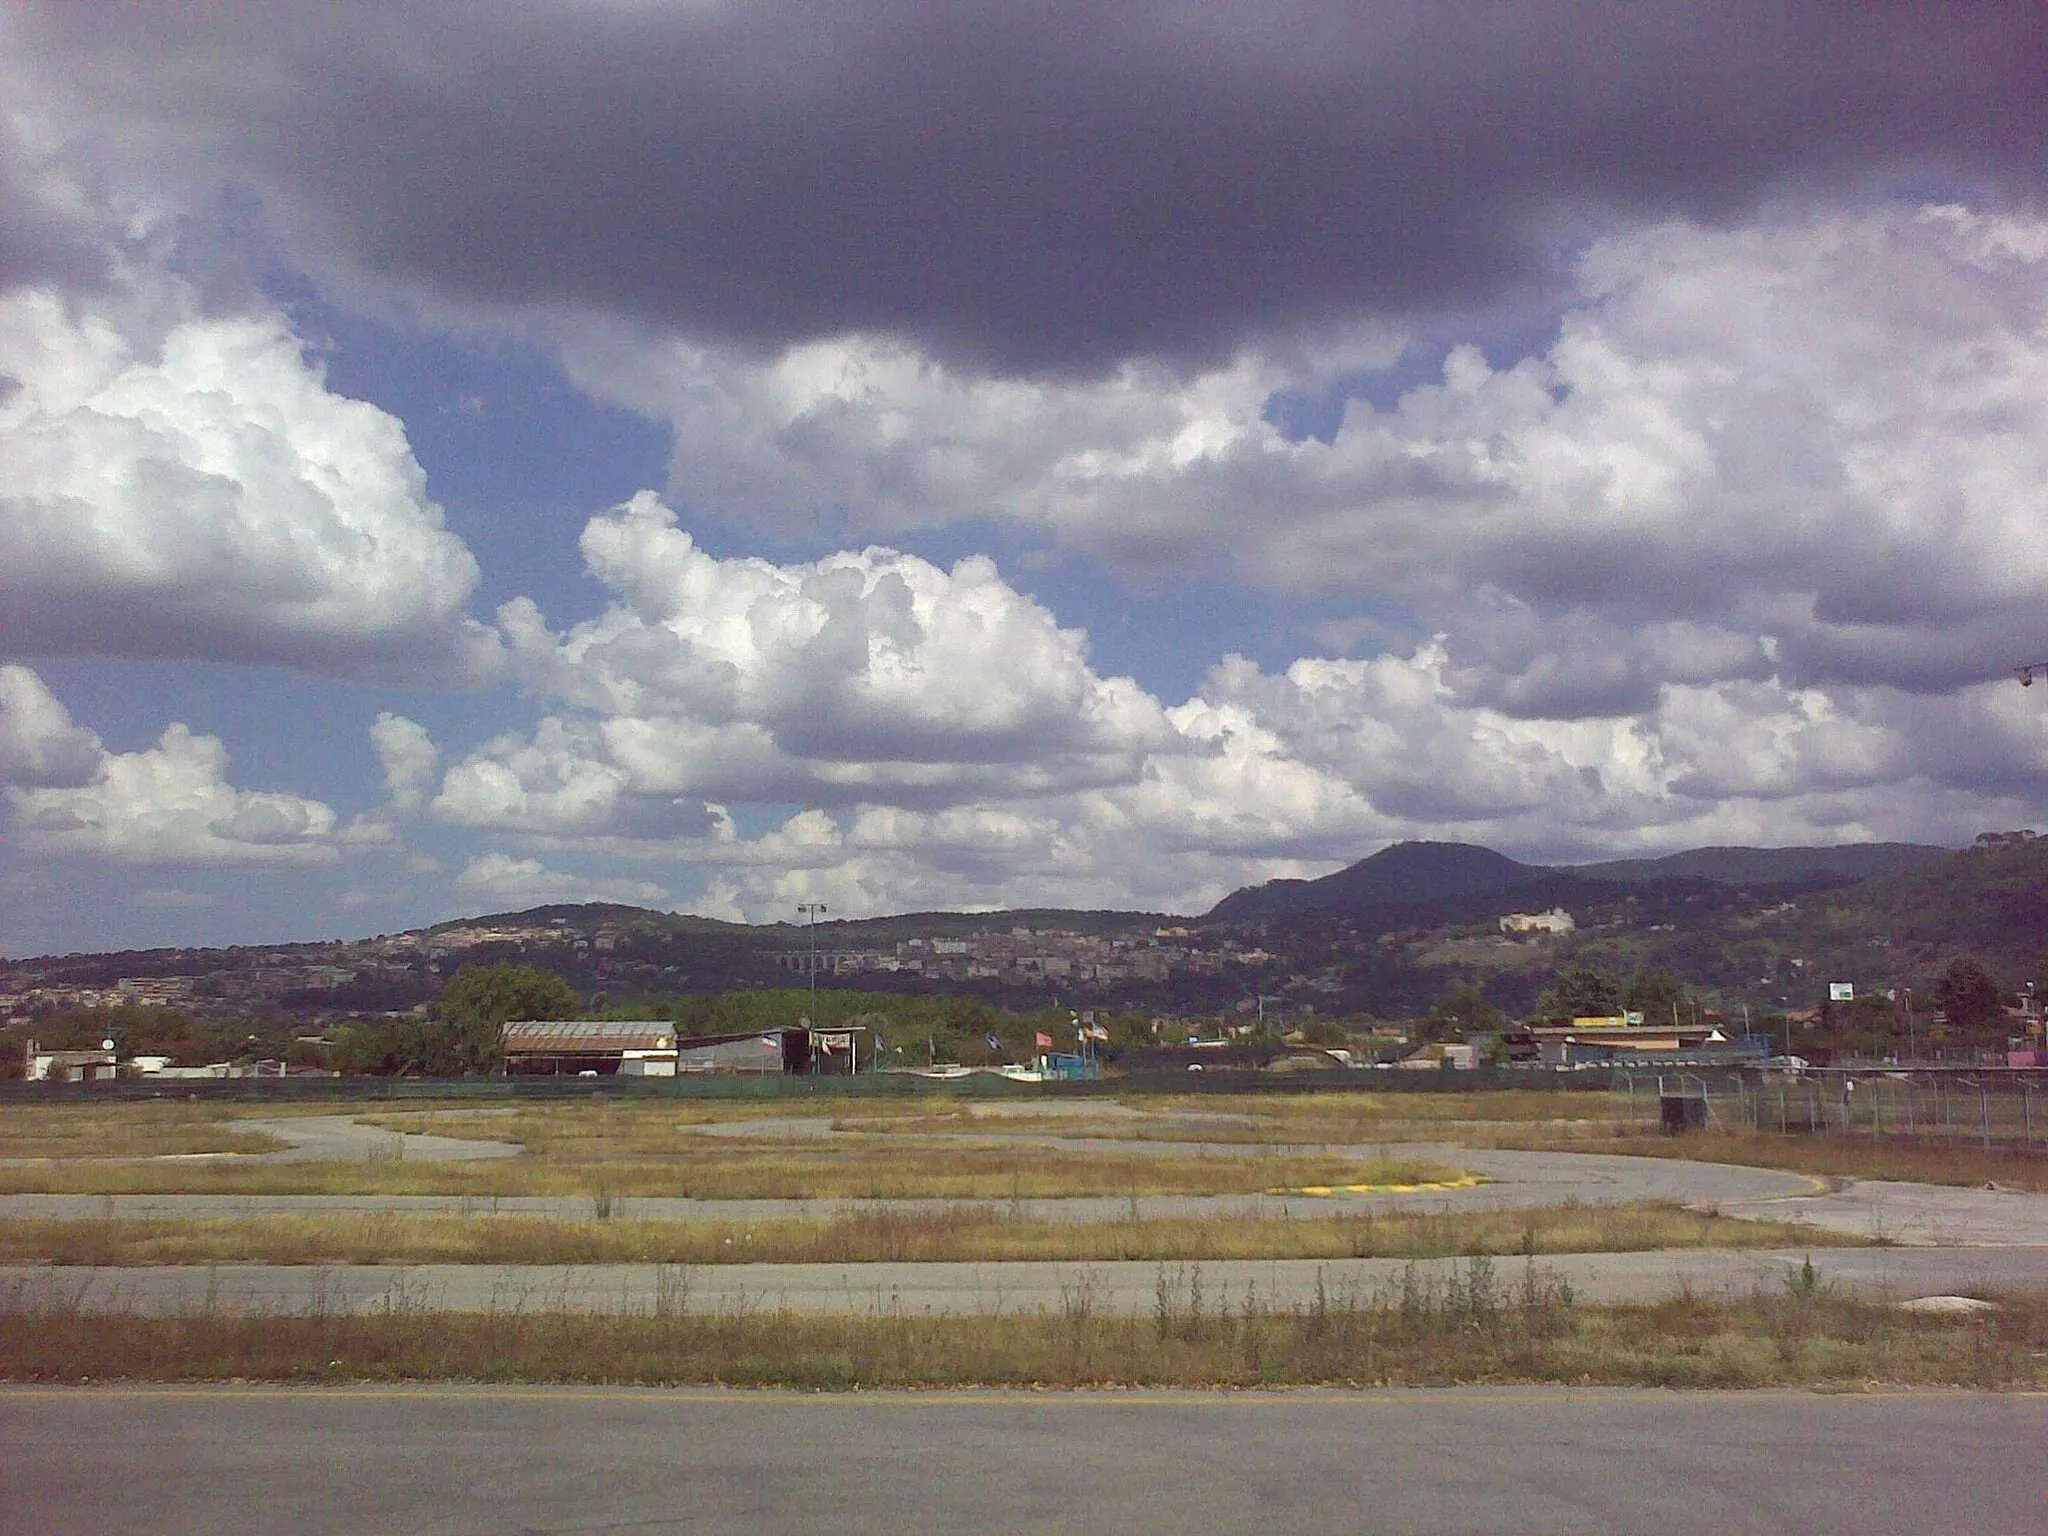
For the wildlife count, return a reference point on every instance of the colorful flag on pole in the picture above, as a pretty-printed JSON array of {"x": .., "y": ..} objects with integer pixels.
[
  {"x": 1044, "y": 1041},
  {"x": 770, "y": 1043},
  {"x": 993, "y": 1043}
]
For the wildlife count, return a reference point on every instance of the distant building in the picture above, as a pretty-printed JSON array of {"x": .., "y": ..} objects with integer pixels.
[
  {"x": 1625, "y": 1037},
  {"x": 1556, "y": 920},
  {"x": 627, "y": 1048},
  {"x": 41, "y": 1066},
  {"x": 602, "y": 1047}
]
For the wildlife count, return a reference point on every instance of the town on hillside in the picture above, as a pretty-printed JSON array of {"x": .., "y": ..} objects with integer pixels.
[{"x": 1421, "y": 947}]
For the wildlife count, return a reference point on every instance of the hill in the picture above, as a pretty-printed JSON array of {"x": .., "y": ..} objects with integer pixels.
[
  {"x": 1400, "y": 875},
  {"x": 1772, "y": 866},
  {"x": 1409, "y": 874},
  {"x": 587, "y": 917},
  {"x": 1990, "y": 900}
]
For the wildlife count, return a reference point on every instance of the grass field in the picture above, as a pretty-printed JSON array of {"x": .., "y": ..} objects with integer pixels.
[
  {"x": 1278, "y": 1119},
  {"x": 1486, "y": 1324},
  {"x": 124, "y": 1130},
  {"x": 709, "y": 1168},
  {"x": 838, "y": 1146},
  {"x": 970, "y": 1234}
]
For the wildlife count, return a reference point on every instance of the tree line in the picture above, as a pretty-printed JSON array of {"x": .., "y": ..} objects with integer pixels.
[{"x": 461, "y": 1032}]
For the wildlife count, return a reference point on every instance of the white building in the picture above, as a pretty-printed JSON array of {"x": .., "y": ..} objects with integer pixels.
[
  {"x": 1556, "y": 920},
  {"x": 40, "y": 1066}
]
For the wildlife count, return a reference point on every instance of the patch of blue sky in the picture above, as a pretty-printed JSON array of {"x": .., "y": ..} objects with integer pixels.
[
  {"x": 516, "y": 455},
  {"x": 282, "y": 730},
  {"x": 1302, "y": 415}
]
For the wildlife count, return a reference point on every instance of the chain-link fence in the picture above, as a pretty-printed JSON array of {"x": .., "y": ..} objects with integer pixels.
[{"x": 1942, "y": 1107}]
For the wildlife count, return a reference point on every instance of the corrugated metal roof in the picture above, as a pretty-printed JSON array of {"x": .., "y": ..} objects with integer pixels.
[{"x": 589, "y": 1035}]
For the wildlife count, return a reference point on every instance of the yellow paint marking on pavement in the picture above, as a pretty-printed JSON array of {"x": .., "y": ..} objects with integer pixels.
[
  {"x": 1820, "y": 1186},
  {"x": 1468, "y": 1181}
]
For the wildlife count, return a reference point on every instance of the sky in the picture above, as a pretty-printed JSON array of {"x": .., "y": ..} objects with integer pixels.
[{"x": 949, "y": 454}]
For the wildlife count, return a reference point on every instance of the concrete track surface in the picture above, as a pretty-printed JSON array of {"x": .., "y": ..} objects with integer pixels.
[
  {"x": 1917, "y": 1215},
  {"x": 1947, "y": 1239},
  {"x": 914, "y": 1289},
  {"x": 339, "y": 1138},
  {"x": 1514, "y": 1180},
  {"x": 464, "y": 1462}
]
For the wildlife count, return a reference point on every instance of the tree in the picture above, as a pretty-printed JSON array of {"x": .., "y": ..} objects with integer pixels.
[
  {"x": 482, "y": 999},
  {"x": 1969, "y": 995},
  {"x": 1460, "y": 1011},
  {"x": 1657, "y": 995},
  {"x": 1580, "y": 993}
]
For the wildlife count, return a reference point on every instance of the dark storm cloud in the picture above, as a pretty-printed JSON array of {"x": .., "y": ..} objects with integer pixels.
[{"x": 1026, "y": 185}]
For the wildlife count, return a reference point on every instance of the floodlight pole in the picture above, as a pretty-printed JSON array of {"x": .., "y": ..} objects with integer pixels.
[{"x": 812, "y": 910}]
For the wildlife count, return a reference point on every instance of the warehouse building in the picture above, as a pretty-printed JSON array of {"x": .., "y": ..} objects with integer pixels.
[
  {"x": 627, "y": 1048},
  {"x": 590, "y": 1047}
]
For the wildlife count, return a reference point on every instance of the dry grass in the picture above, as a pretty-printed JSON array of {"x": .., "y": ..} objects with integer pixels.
[
  {"x": 123, "y": 1130},
  {"x": 976, "y": 1234},
  {"x": 1307, "y": 1119},
  {"x": 715, "y": 1168},
  {"x": 911, "y": 1146},
  {"x": 630, "y": 1124},
  {"x": 1482, "y": 1325}
]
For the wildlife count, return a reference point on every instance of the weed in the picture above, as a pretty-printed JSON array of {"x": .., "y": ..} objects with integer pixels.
[{"x": 1415, "y": 1333}]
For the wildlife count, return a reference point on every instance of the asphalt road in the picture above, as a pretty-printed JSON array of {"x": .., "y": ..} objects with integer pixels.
[
  {"x": 918, "y": 1288},
  {"x": 466, "y": 1462}
]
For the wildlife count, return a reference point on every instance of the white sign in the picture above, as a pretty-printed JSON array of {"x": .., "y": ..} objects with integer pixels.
[{"x": 1841, "y": 992}]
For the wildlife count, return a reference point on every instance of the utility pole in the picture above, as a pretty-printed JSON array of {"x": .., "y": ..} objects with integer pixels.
[{"x": 813, "y": 910}]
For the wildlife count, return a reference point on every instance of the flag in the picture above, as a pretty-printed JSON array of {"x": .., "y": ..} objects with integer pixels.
[
  {"x": 1097, "y": 1032},
  {"x": 1044, "y": 1041},
  {"x": 993, "y": 1043},
  {"x": 770, "y": 1043}
]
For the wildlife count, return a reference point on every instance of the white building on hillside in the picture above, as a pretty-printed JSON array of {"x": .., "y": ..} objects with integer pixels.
[{"x": 1556, "y": 920}]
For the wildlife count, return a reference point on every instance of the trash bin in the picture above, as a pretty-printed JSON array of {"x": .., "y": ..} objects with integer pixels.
[{"x": 1682, "y": 1112}]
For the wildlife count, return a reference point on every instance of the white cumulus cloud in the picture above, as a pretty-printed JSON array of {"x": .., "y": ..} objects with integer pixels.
[
  {"x": 184, "y": 485},
  {"x": 40, "y": 746},
  {"x": 1811, "y": 443},
  {"x": 409, "y": 757},
  {"x": 171, "y": 804}
]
